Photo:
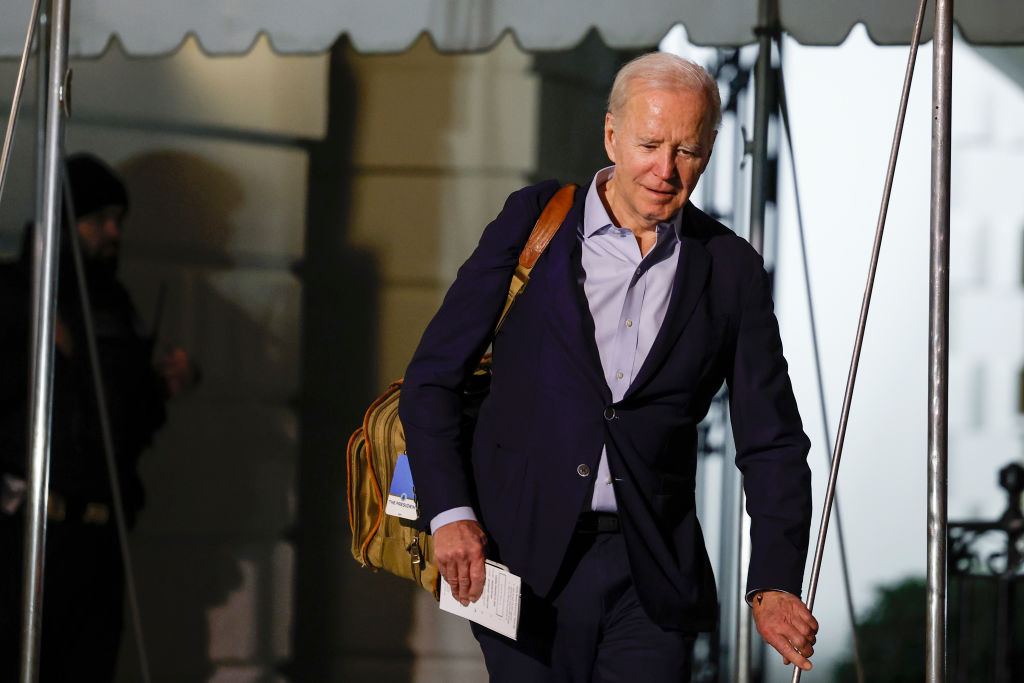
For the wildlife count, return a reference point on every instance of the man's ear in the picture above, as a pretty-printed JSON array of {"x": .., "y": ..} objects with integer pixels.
[{"x": 609, "y": 136}]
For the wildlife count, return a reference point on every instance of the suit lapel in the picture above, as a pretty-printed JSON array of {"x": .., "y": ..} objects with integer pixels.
[
  {"x": 691, "y": 277},
  {"x": 572, "y": 321}
]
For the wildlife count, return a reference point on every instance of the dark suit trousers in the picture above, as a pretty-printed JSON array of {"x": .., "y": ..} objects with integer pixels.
[{"x": 591, "y": 628}]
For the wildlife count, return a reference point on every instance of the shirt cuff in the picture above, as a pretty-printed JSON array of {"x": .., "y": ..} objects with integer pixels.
[
  {"x": 750, "y": 594},
  {"x": 458, "y": 514}
]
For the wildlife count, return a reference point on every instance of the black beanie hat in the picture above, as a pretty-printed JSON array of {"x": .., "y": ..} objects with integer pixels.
[{"x": 94, "y": 184}]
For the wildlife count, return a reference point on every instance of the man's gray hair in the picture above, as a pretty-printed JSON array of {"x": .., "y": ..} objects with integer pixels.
[{"x": 664, "y": 71}]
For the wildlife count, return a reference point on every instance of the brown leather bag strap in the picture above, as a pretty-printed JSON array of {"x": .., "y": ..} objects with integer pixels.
[
  {"x": 551, "y": 219},
  {"x": 547, "y": 225}
]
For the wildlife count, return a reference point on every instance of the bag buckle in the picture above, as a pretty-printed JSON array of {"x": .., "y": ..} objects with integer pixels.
[{"x": 414, "y": 550}]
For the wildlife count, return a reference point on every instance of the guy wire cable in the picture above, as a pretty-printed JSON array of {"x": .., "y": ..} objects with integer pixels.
[
  {"x": 101, "y": 405},
  {"x": 843, "y": 564},
  {"x": 844, "y": 417},
  {"x": 19, "y": 85}
]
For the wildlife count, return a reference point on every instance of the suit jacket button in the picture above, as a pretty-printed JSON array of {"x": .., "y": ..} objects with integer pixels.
[
  {"x": 609, "y": 413},
  {"x": 583, "y": 470}
]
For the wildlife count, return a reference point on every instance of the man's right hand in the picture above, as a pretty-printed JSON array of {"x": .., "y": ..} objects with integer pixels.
[{"x": 459, "y": 555}]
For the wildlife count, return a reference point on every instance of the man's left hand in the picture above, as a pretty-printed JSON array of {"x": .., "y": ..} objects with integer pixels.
[{"x": 786, "y": 624}]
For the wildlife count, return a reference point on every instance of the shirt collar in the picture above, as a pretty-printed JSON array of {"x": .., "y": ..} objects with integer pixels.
[{"x": 596, "y": 218}]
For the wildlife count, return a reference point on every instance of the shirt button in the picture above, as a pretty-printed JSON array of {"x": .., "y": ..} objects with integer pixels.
[
  {"x": 583, "y": 470},
  {"x": 609, "y": 413},
  {"x": 618, "y": 375},
  {"x": 639, "y": 272},
  {"x": 629, "y": 323}
]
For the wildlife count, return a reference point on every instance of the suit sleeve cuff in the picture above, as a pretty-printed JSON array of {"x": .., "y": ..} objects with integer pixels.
[
  {"x": 750, "y": 594},
  {"x": 453, "y": 515}
]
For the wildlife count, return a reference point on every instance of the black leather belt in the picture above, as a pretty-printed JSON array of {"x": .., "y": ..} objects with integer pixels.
[{"x": 597, "y": 523}]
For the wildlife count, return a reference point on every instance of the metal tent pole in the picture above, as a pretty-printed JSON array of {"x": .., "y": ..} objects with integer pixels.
[
  {"x": 19, "y": 83},
  {"x": 858, "y": 342},
  {"x": 44, "y": 323},
  {"x": 938, "y": 341},
  {"x": 745, "y": 619},
  {"x": 768, "y": 21},
  {"x": 42, "y": 97},
  {"x": 767, "y": 25}
]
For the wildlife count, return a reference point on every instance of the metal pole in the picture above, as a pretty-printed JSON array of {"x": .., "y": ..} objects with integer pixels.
[
  {"x": 42, "y": 97},
  {"x": 729, "y": 563},
  {"x": 732, "y": 480},
  {"x": 44, "y": 324},
  {"x": 858, "y": 343},
  {"x": 745, "y": 619},
  {"x": 768, "y": 21},
  {"x": 19, "y": 84},
  {"x": 938, "y": 341}
]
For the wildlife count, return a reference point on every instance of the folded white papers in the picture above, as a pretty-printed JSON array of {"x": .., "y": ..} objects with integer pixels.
[{"x": 497, "y": 608}]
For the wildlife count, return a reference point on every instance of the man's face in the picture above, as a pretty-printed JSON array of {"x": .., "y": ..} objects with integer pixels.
[
  {"x": 660, "y": 144},
  {"x": 100, "y": 233}
]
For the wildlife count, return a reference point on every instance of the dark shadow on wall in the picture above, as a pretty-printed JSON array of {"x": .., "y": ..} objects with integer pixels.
[
  {"x": 219, "y": 473},
  {"x": 349, "y": 624},
  {"x": 247, "y": 481}
]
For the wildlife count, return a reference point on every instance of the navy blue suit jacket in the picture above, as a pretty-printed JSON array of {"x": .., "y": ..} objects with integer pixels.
[{"x": 550, "y": 410}]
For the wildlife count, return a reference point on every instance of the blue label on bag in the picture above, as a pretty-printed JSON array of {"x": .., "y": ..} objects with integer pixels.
[{"x": 402, "y": 495}]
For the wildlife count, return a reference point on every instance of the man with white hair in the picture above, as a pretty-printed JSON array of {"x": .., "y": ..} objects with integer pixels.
[{"x": 581, "y": 473}]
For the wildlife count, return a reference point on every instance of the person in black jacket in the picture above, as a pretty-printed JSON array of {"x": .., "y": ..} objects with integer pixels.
[
  {"x": 581, "y": 473},
  {"x": 84, "y": 577}
]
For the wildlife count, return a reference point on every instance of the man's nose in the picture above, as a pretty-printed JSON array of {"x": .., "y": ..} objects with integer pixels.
[
  {"x": 664, "y": 164},
  {"x": 112, "y": 227}
]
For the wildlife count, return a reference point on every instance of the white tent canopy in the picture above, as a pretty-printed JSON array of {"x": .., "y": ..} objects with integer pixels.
[{"x": 154, "y": 27}]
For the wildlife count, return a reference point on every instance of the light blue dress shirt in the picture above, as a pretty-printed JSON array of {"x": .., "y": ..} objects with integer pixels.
[{"x": 628, "y": 295}]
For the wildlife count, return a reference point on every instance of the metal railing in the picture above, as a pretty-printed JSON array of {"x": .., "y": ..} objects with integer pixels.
[{"x": 986, "y": 568}]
